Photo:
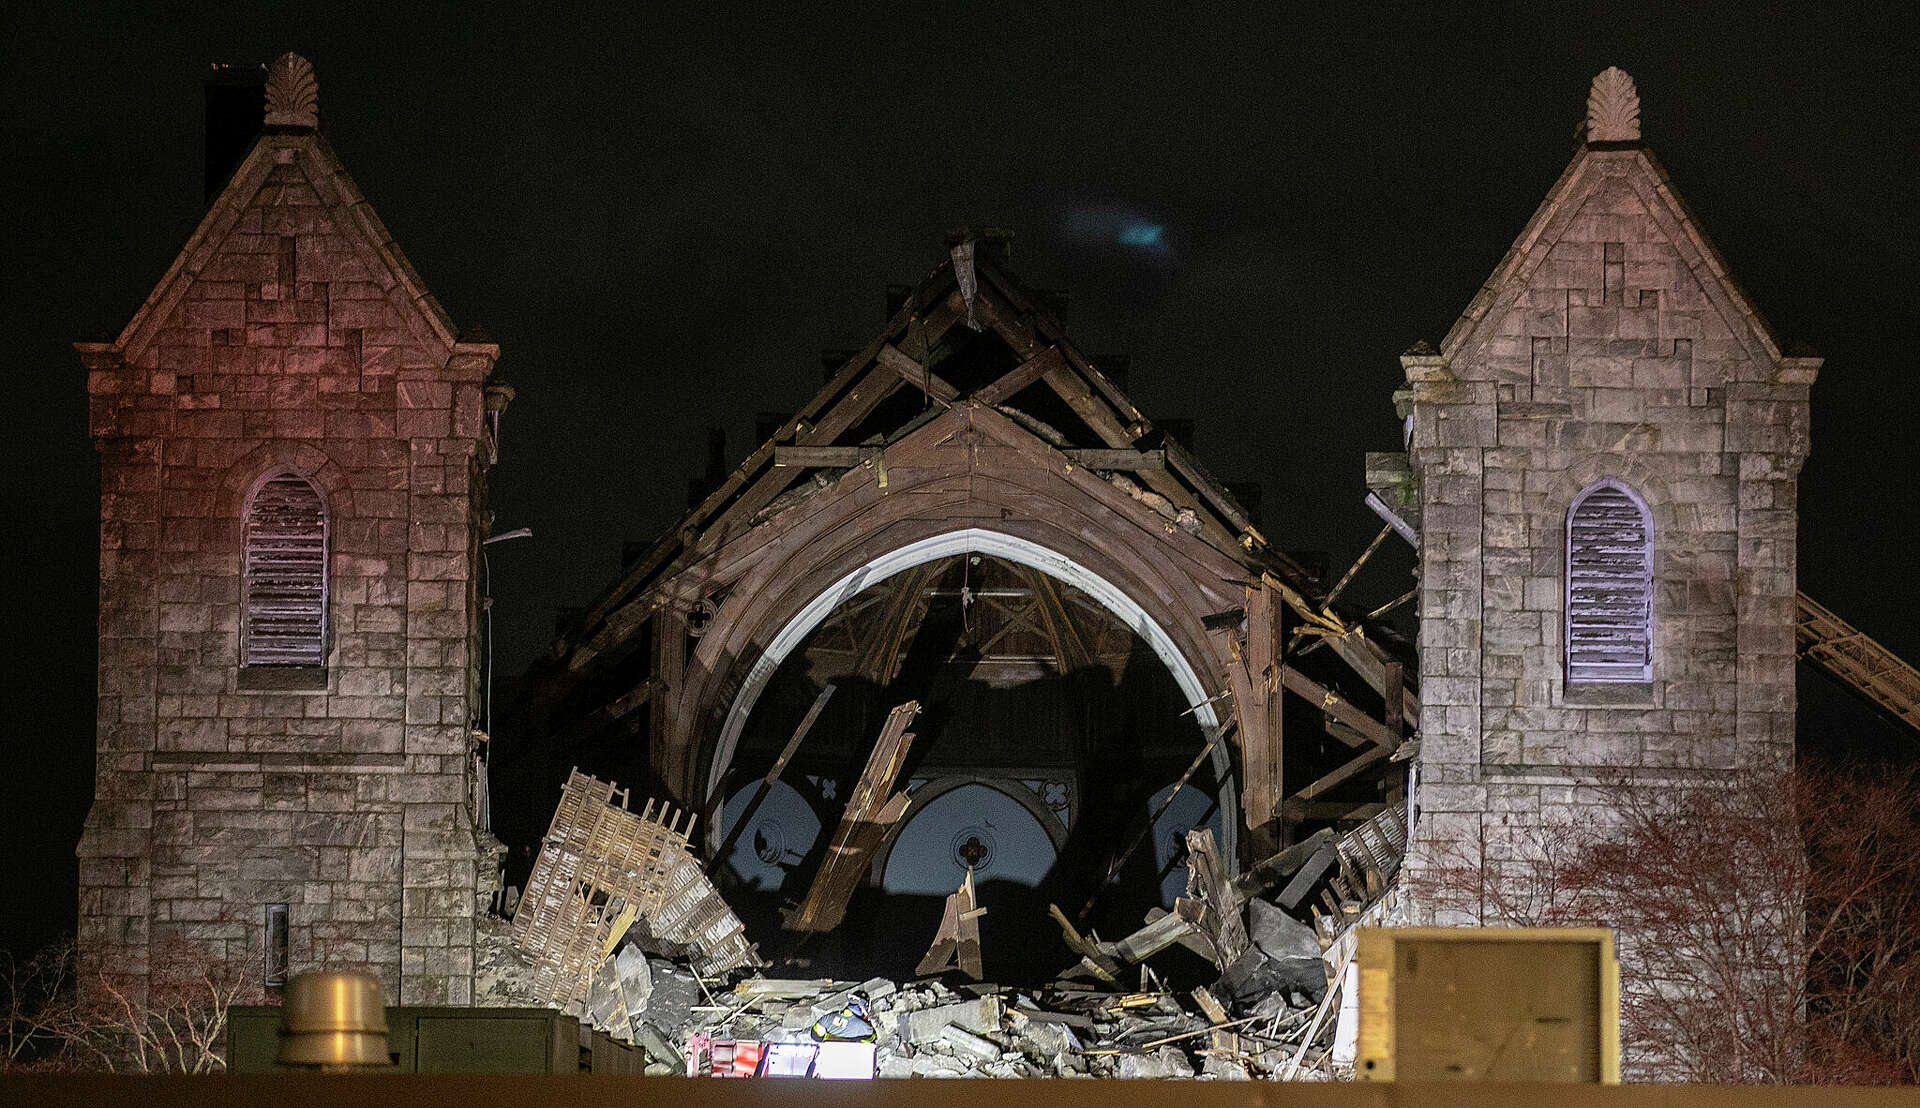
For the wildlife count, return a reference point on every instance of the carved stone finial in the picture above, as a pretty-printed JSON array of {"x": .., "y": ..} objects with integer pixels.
[
  {"x": 293, "y": 96},
  {"x": 1613, "y": 108}
]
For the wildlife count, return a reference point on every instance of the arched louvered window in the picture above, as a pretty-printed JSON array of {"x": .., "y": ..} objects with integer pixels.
[
  {"x": 285, "y": 612},
  {"x": 1609, "y": 585}
]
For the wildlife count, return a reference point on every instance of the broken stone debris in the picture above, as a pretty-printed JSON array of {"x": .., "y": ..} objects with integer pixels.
[
  {"x": 665, "y": 988},
  {"x": 1266, "y": 1017}
]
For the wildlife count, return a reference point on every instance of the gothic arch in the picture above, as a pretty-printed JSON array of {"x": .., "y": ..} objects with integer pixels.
[
  {"x": 786, "y": 574},
  {"x": 794, "y": 628},
  {"x": 305, "y": 459}
]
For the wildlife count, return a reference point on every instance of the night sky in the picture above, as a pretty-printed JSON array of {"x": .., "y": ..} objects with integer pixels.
[{"x": 663, "y": 224}]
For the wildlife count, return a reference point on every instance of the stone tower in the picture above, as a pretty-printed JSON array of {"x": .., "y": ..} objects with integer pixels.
[
  {"x": 1604, "y": 455},
  {"x": 293, "y": 442}
]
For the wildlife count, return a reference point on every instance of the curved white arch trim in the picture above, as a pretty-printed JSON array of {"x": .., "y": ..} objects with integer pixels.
[{"x": 972, "y": 540}]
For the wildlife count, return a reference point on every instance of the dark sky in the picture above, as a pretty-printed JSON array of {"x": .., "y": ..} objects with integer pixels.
[{"x": 663, "y": 223}]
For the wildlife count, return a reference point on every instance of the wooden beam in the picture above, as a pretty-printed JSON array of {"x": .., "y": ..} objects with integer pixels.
[
  {"x": 586, "y": 727},
  {"x": 1392, "y": 696},
  {"x": 1300, "y": 811},
  {"x": 1339, "y": 709},
  {"x": 772, "y": 776},
  {"x": 1360, "y": 653},
  {"x": 868, "y": 821},
  {"x": 880, "y": 657},
  {"x": 1370, "y": 663},
  {"x": 1107, "y": 420},
  {"x": 918, "y": 375},
  {"x": 1069, "y": 650},
  {"x": 1026, "y": 373},
  {"x": 1354, "y": 569},
  {"x": 1262, "y": 745},
  {"x": 823, "y": 457},
  {"x": 1047, "y": 327},
  {"x": 1219, "y": 919},
  {"x": 855, "y": 391},
  {"x": 1092, "y": 955},
  {"x": 1343, "y": 774},
  {"x": 1182, "y": 461},
  {"x": 957, "y": 941},
  {"x": 1264, "y": 875},
  {"x": 1125, "y": 460}
]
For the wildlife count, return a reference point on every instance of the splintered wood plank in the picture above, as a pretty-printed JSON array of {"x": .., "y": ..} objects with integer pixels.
[
  {"x": 1262, "y": 739},
  {"x": 865, "y": 824},
  {"x": 1092, "y": 956},
  {"x": 1161, "y": 932},
  {"x": 1207, "y": 885},
  {"x": 957, "y": 942}
]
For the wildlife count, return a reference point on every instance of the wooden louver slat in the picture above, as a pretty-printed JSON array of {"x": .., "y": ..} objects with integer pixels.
[
  {"x": 286, "y": 574},
  {"x": 1609, "y": 587}
]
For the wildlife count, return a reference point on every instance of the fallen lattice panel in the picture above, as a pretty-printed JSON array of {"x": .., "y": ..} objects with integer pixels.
[{"x": 601, "y": 869}]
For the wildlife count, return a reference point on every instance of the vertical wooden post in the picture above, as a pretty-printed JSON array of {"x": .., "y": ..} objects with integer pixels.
[
  {"x": 1393, "y": 690},
  {"x": 1258, "y": 702}
]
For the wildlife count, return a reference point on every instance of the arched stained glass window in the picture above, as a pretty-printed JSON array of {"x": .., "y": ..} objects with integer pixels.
[
  {"x": 1609, "y": 585},
  {"x": 285, "y": 606}
]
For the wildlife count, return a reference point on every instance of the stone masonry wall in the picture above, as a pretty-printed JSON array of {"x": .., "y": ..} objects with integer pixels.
[
  {"x": 1604, "y": 357},
  {"x": 1609, "y": 345},
  {"x": 296, "y": 342}
]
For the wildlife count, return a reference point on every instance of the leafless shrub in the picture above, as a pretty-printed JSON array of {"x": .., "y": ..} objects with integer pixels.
[
  {"x": 1769, "y": 929},
  {"x": 35, "y": 996},
  {"x": 171, "y": 1018}
]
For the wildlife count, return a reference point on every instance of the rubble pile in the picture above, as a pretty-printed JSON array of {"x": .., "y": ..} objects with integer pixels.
[
  {"x": 940, "y": 1029},
  {"x": 703, "y": 1008}
]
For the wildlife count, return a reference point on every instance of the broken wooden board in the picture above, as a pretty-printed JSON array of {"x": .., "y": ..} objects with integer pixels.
[
  {"x": 870, "y": 818},
  {"x": 1264, "y": 875},
  {"x": 957, "y": 942},
  {"x": 1207, "y": 886},
  {"x": 1093, "y": 957},
  {"x": 1162, "y": 930}
]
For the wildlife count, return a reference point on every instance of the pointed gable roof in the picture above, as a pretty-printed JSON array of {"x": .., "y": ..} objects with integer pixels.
[
  {"x": 290, "y": 155},
  {"x": 967, "y": 334},
  {"x": 1615, "y": 191}
]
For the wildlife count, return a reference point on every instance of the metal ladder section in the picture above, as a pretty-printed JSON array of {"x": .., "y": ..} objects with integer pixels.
[{"x": 1851, "y": 657}]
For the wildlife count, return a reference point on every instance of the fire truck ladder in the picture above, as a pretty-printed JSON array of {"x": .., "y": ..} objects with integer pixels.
[{"x": 1851, "y": 657}]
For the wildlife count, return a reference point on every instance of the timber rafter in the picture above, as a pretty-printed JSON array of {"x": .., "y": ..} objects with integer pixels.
[
  {"x": 884, "y": 367},
  {"x": 1022, "y": 435}
]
